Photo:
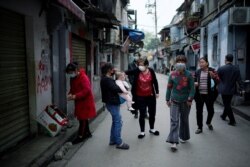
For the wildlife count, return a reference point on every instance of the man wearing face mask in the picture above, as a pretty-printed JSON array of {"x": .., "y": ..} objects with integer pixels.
[
  {"x": 145, "y": 87},
  {"x": 81, "y": 93},
  {"x": 179, "y": 97}
]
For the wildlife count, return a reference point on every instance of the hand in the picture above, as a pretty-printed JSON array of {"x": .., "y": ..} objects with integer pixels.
[
  {"x": 157, "y": 96},
  {"x": 212, "y": 74},
  {"x": 189, "y": 103},
  {"x": 168, "y": 103},
  {"x": 71, "y": 97}
]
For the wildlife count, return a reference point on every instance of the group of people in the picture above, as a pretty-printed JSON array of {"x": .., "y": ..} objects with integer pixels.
[{"x": 183, "y": 87}]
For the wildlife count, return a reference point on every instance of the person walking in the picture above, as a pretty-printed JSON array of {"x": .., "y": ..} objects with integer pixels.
[
  {"x": 81, "y": 93},
  {"x": 179, "y": 96},
  {"x": 132, "y": 66},
  {"x": 146, "y": 89},
  {"x": 110, "y": 96},
  {"x": 229, "y": 78},
  {"x": 206, "y": 80}
]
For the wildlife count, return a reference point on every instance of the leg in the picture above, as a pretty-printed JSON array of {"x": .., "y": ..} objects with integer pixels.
[
  {"x": 115, "y": 136},
  {"x": 142, "y": 109},
  {"x": 82, "y": 127},
  {"x": 173, "y": 136},
  {"x": 229, "y": 110},
  {"x": 151, "y": 111},
  {"x": 224, "y": 114},
  {"x": 184, "y": 121},
  {"x": 199, "y": 112},
  {"x": 210, "y": 109}
]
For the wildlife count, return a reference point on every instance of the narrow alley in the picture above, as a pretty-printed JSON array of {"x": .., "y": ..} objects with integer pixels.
[{"x": 225, "y": 146}]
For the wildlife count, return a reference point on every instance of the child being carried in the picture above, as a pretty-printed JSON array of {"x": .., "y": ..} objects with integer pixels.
[{"x": 120, "y": 81}]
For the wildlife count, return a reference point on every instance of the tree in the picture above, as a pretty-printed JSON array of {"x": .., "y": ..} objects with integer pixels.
[{"x": 150, "y": 42}]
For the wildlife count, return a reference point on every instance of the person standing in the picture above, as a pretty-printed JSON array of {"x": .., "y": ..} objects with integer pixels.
[
  {"x": 229, "y": 76},
  {"x": 81, "y": 93},
  {"x": 179, "y": 96},
  {"x": 110, "y": 96},
  {"x": 146, "y": 89},
  {"x": 132, "y": 66},
  {"x": 206, "y": 80}
]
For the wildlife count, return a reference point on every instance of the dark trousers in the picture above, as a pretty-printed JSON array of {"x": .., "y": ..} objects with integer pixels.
[
  {"x": 199, "y": 109},
  {"x": 145, "y": 103},
  {"x": 227, "y": 108},
  {"x": 83, "y": 128}
]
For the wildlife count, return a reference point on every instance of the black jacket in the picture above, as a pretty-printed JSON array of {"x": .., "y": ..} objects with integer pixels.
[
  {"x": 110, "y": 91},
  {"x": 131, "y": 67},
  {"x": 229, "y": 76},
  {"x": 212, "y": 92},
  {"x": 136, "y": 73}
]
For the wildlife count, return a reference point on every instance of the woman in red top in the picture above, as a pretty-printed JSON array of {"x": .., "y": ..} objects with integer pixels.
[
  {"x": 146, "y": 89},
  {"x": 81, "y": 93}
]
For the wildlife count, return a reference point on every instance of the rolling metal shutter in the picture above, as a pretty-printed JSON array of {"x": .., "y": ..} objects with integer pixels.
[
  {"x": 14, "y": 108},
  {"x": 79, "y": 51}
]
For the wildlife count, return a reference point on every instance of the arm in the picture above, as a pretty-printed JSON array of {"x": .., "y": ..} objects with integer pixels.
[
  {"x": 121, "y": 86},
  {"x": 155, "y": 83},
  {"x": 191, "y": 88},
  {"x": 169, "y": 88}
]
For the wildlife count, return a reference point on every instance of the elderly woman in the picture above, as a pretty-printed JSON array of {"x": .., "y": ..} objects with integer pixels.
[
  {"x": 179, "y": 97},
  {"x": 146, "y": 90}
]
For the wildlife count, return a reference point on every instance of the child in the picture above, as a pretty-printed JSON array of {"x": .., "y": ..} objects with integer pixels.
[{"x": 120, "y": 81}]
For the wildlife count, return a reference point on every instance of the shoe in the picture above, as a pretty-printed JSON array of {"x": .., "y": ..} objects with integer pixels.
[
  {"x": 174, "y": 147},
  {"x": 78, "y": 140},
  {"x": 198, "y": 131},
  {"x": 141, "y": 135},
  {"x": 87, "y": 135},
  {"x": 131, "y": 109},
  {"x": 223, "y": 118},
  {"x": 182, "y": 141},
  {"x": 123, "y": 146},
  {"x": 232, "y": 123},
  {"x": 136, "y": 116},
  {"x": 156, "y": 132},
  {"x": 210, "y": 127}
]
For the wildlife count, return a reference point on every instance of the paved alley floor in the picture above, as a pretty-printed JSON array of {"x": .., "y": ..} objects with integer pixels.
[{"x": 226, "y": 146}]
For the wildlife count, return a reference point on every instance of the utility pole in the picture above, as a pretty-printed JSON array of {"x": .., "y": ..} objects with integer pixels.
[{"x": 150, "y": 6}]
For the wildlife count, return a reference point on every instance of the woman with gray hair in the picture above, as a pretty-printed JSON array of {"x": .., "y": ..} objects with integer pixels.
[{"x": 179, "y": 97}]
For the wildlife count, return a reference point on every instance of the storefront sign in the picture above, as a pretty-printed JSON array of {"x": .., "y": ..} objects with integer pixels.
[{"x": 71, "y": 6}]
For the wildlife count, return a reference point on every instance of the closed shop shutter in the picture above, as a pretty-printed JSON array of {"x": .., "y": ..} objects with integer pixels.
[
  {"x": 79, "y": 51},
  {"x": 14, "y": 110}
]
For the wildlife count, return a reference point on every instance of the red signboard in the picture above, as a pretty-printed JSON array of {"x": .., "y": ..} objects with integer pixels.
[
  {"x": 71, "y": 6},
  {"x": 195, "y": 46}
]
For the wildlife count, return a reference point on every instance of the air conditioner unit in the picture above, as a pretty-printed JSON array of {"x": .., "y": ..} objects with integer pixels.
[
  {"x": 195, "y": 7},
  {"x": 239, "y": 16}
]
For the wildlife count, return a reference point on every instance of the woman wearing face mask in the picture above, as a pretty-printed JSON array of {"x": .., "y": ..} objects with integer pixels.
[
  {"x": 145, "y": 87},
  {"x": 179, "y": 96},
  {"x": 81, "y": 93},
  {"x": 206, "y": 92}
]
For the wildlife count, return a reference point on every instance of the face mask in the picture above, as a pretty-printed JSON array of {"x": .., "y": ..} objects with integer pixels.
[
  {"x": 180, "y": 66},
  {"x": 142, "y": 68},
  {"x": 73, "y": 75}
]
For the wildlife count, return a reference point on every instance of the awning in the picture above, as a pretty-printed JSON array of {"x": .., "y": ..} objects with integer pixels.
[
  {"x": 134, "y": 35},
  {"x": 72, "y": 7},
  {"x": 101, "y": 18}
]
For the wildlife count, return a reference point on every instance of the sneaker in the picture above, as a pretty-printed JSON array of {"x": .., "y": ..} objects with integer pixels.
[
  {"x": 131, "y": 109},
  {"x": 210, "y": 127},
  {"x": 173, "y": 147},
  {"x": 182, "y": 141},
  {"x": 123, "y": 146},
  {"x": 155, "y": 132},
  {"x": 198, "y": 131}
]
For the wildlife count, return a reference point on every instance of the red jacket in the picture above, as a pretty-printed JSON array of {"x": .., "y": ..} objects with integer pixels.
[{"x": 84, "y": 102}]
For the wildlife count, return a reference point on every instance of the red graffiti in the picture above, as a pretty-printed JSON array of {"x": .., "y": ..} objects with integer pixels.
[{"x": 43, "y": 83}]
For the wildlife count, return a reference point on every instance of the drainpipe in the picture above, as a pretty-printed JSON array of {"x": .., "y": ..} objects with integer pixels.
[{"x": 219, "y": 37}]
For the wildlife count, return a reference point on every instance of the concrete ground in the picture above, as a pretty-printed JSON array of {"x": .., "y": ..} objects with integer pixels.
[{"x": 226, "y": 146}]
